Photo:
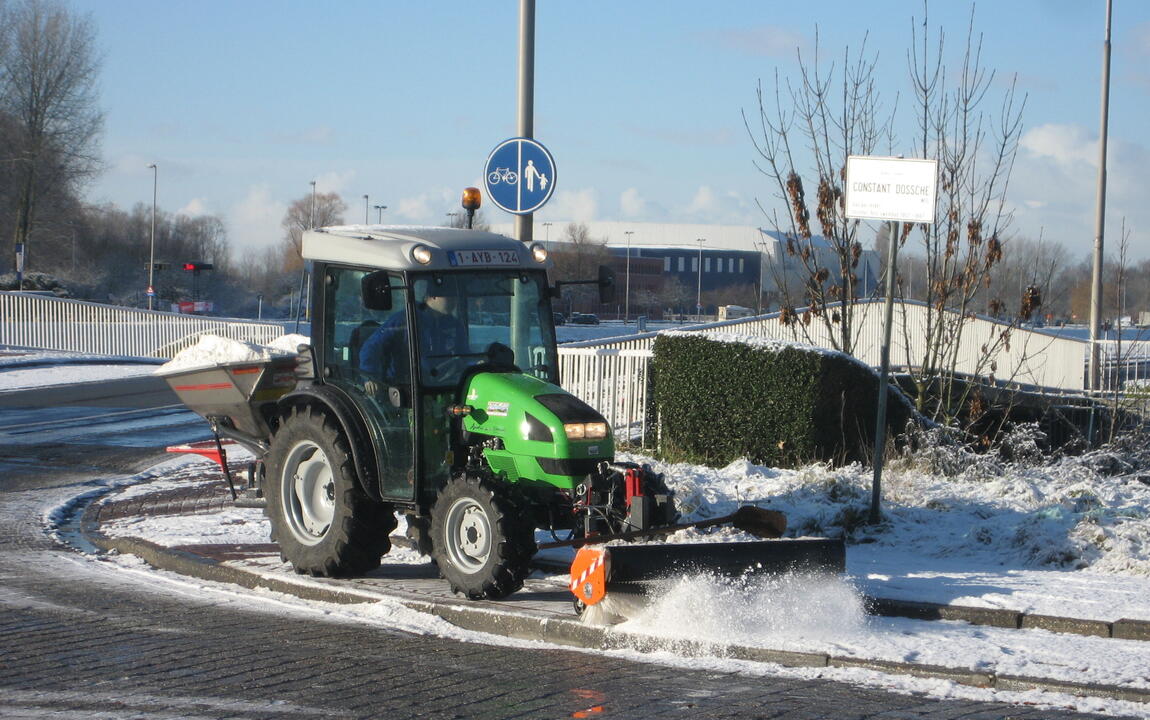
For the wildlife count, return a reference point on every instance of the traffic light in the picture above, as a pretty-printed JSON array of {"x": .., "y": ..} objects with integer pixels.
[{"x": 196, "y": 267}]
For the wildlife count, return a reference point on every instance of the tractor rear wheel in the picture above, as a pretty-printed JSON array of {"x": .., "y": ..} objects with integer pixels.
[
  {"x": 324, "y": 524},
  {"x": 480, "y": 541}
]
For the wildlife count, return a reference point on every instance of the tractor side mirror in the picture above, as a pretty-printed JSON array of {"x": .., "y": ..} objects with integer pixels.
[
  {"x": 375, "y": 289},
  {"x": 606, "y": 285}
]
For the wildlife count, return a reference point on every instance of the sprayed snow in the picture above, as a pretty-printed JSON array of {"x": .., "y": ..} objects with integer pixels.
[
  {"x": 754, "y": 611},
  {"x": 213, "y": 350}
]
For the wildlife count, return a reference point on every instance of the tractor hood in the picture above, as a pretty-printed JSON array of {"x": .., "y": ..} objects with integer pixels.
[{"x": 548, "y": 435}]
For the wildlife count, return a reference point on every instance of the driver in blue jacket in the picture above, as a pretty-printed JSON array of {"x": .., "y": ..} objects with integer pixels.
[{"x": 442, "y": 338}]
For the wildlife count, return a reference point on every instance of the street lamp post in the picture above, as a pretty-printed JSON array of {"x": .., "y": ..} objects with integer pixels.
[
  {"x": 311, "y": 213},
  {"x": 452, "y": 215},
  {"x": 627, "y": 286},
  {"x": 365, "y": 210},
  {"x": 762, "y": 248},
  {"x": 380, "y": 209},
  {"x": 152, "y": 243},
  {"x": 547, "y": 236},
  {"x": 699, "y": 294}
]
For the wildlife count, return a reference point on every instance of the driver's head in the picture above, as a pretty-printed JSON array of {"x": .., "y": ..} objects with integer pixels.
[
  {"x": 441, "y": 303},
  {"x": 439, "y": 293}
]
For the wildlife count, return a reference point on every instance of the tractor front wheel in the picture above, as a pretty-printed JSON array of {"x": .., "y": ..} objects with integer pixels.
[
  {"x": 324, "y": 524},
  {"x": 480, "y": 541}
]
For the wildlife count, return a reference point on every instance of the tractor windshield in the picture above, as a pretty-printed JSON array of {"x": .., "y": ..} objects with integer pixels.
[{"x": 499, "y": 317}]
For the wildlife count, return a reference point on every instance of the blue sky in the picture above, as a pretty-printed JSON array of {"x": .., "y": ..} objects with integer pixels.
[{"x": 242, "y": 104}]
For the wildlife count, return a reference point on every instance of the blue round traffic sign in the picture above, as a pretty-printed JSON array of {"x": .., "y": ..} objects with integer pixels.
[{"x": 519, "y": 175}]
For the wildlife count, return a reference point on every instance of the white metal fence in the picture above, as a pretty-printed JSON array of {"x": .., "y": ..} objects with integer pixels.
[
  {"x": 595, "y": 371},
  {"x": 50, "y": 323}
]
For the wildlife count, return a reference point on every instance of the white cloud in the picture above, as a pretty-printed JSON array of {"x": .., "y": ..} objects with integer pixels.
[
  {"x": 255, "y": 220},
  {"x": 195, "y": 206},
  {"x": 428, "y": 208},
  {"x": 334, "y": 181},
  {"x": 1067, "y": 145},
  {"x": 1054, "y": 184},
  {"x": 631, "y": 204},
  {"x": 576, "y": 205},
  {"x": 726, "y": 207},
  {"x": 705, "y": 202}
]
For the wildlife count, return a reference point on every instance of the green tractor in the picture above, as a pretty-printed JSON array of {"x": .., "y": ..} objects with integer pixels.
[{"x": 436, "y": 394}]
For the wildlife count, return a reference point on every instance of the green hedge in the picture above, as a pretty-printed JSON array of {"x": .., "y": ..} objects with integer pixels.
[{"x": 776, "y": 404}]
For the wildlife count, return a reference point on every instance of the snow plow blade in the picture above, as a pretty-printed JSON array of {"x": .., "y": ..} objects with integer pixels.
[{"x": 632, "y": 570}]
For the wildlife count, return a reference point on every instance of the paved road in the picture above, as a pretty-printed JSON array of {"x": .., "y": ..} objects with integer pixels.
[{"x": 79, "y": 638}]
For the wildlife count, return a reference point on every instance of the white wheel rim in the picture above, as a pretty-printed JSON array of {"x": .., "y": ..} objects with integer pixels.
[
  {"x": 308, "y": 492},
  {"x": 468, "y": 535}
]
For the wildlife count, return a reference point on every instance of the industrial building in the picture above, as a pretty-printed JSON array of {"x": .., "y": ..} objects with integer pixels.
[{"x": 658, "y": 265}]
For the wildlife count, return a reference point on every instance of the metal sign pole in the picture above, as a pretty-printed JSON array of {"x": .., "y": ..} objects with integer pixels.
[
  {"x": 526, "y": 123},
  {"x": 884, "y": 376}
]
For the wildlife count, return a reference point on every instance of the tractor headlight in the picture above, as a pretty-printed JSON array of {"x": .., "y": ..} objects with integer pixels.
[
  {"x": 421, "y": 254},
  {"x": 539, "y": 253},
  {"x": 585, "y": 431}
]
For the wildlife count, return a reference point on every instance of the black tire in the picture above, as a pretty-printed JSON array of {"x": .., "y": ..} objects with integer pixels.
[
  {"x": 481, "y": 542},
  {"x": 324, "y": 524}
]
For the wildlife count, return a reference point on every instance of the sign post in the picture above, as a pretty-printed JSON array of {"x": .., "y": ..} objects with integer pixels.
[{"x": 896, "y": 190}]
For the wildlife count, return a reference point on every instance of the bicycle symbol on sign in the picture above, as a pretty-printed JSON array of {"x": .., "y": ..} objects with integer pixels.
[{"x": 506, "y": 175}]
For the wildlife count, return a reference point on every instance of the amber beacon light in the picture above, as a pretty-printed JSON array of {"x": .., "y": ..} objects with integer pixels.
[{"x": 472, "y": 199}]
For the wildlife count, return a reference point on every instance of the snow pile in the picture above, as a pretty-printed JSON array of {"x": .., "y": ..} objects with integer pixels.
[
  {"x": 1074, "y": 513},
  {"x": 213, "y": 350}
]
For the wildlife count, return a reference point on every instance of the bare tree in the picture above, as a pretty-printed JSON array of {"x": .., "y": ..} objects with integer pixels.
[
  {"x": 48, "y": 67},
  {"x": 309, "y": 211},
  {"x": 975, "y": 150},
  {"x": 828, "y": 115},
  {"x": 824, "y": 117},
  {"x": 578, "y": 257}
]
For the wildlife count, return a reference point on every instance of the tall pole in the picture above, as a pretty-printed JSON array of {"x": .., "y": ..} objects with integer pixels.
[
  {"x": 152, "y": 244},
  {"x": 699, "y": 293},
  {"x": 884, "y": 377},
  {"x": 380, "y": 209},
  {"x": 525, "y": 125},
  {"x": 627, "y": 287},
  {"x": 311, "y": 213},
  {"x": 1100, "y": 215},
  {"x": 365, "y": 210}
]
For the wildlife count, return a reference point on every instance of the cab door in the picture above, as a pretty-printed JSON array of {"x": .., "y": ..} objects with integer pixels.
[{"x": 367, "y": 355}]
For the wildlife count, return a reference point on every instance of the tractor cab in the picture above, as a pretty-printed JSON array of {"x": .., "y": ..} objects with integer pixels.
[{"x": 401, "y": 330}]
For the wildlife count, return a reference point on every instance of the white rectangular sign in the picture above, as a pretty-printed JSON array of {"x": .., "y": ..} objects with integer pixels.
[{"x": 887, "y": 188}]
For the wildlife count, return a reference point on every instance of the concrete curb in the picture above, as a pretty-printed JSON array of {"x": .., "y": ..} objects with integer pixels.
[
  {"x": 573, "y": 633},
  {"x": 1122, "y": 629}
]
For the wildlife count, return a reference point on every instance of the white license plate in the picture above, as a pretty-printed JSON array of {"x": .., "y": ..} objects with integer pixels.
[{"x": 484, "y": 257}]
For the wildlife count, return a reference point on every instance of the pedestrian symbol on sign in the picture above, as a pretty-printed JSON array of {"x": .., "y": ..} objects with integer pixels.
[{"x": 531, "y": 173}]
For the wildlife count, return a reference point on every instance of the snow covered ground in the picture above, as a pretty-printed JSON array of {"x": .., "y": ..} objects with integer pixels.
[{"x": 1067, "y": 537}]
